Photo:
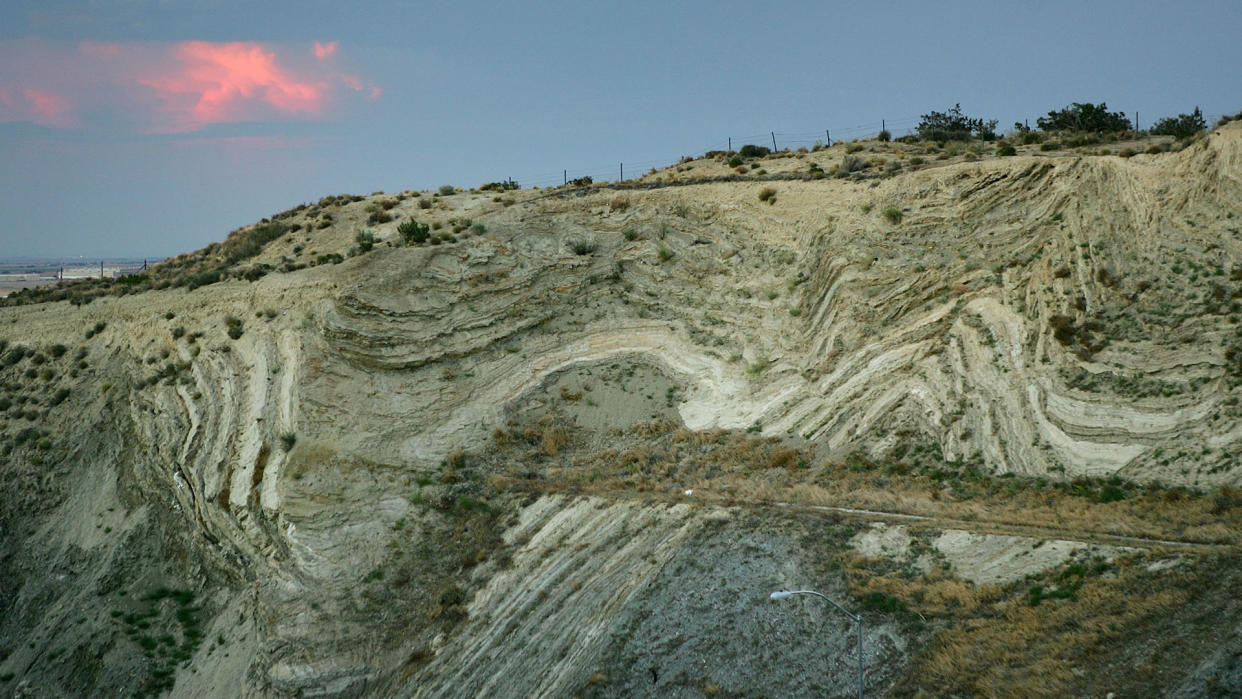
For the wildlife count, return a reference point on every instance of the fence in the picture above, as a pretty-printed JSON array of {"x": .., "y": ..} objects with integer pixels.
[{"x": 778, "y": 140}]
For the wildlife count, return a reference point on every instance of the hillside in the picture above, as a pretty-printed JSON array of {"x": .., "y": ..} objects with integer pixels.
[{"x": 570, "y": 443}]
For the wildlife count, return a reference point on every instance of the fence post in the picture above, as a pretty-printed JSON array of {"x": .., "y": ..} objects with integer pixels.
[
  {"x": 565, "y": 176},
  {"x": 828, "y": 136},
  {"x": 622, "y": 173},
  {"x": 883, "y": 125},
  {"x": 773, "y": 141},
  {"x": 730, "y": 144}
]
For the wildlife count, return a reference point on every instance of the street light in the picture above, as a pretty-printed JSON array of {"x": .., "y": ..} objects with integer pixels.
[{"x": 786, "y": 594}]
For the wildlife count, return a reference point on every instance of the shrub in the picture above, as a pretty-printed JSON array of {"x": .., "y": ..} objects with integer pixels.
[
  {"x": 245, "y": 244},
  {"x": 583, "y": 247},
  {"x": 1085, "y": 117},
  {"x": 379, "y": 216},
  {"x": 1181, "y": 126},
  {"x": 499, "y": 186},
  {"x": 424, "y": 203},
  {"x": 851, "y": 163},
  {"x": 751, "y": 151},
  {"x": 884, "y": 603},
  {"x": 884, "y": 136},
  {"x": 287, "y": 440},
  {"x": 1006, "y": 149},
  {"x": 365, "y": 240},
  {"x": 201, "y": 279},
  {"x": 736, "y": 161},
  {"x": 892, "y": 214},
  {"x": 952, "y": 125},
  {"x": 413, "y": 232},
  {"x": 767, "y": 194},
  {"x": 234, "y": 326},
  {"x": 581, "y": 181},
  {"x": 447, "y": 190},
  {"x": 664, "y": 254}
]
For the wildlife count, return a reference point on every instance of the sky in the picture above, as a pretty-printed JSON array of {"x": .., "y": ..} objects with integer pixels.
[{"x": 146, "y": 128}]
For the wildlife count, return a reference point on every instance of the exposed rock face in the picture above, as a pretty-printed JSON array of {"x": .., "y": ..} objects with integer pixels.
[{"x": 306, "y": 481}]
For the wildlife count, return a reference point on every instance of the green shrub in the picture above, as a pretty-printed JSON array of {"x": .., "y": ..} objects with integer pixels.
[
  {"x": 1006, "y": 149},
  {"x": 884, "y": 136},
  {"x": 1181, "y": 126},
  {"x": 447, "y": 190},
  {"x": 952, "y": 125},
  {"x": 202, "y": 279},
  {"x": 751, "y": 151},
  {"x": 884, "y": 603},
  {"x": 892, "y": 214},
  {"x": 287, "y": 440},
  {"x": 767, "y": 194},
  {"x": 413, "y": 232},
  {"x": 583, "y": 247},
  {"x": 14, "y": 355},
  {"x": 234, "y": 326},
  {"x": 500, "y": 186},
  {"x": 1085, "y": 117},
  {"x": 736, "y": 161},
  {"x": 664, "y": 254},
  {"x": 365, "y": 240}
]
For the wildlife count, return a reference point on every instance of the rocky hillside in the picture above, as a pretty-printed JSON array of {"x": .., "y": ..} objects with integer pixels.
[{"x": 548, "y": 443}]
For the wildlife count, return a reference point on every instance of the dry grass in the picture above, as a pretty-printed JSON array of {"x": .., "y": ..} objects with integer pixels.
[
  {"x": 1009, "y": 647},
  {"x": 554, "y": 439},
  {"x": 739, "y": 467}
]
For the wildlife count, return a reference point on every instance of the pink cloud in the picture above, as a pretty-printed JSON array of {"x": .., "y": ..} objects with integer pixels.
[
  {"x": 353, "y": 83},
  {"x": 212, "y": 83},
  {"x": 36, "y": 106},
  {"x": 52, "y": 110},
  {"x": 158, "y": 87},
  {"x": 323, "y": 51}
]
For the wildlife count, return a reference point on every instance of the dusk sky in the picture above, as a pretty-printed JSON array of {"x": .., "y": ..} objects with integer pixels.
[{"x": 149, "y": 128}]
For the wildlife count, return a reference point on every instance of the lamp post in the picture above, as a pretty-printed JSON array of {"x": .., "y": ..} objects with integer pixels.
[{"x": 786, "y": 594}]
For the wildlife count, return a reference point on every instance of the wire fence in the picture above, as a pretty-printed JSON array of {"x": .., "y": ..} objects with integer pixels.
[{"x": 775, "y": 140}]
